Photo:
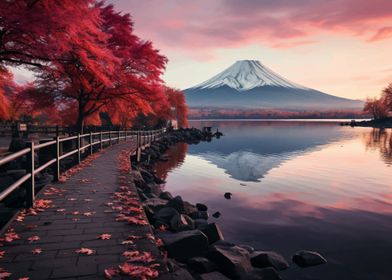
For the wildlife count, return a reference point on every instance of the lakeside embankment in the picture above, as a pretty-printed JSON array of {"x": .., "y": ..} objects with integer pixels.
[
  {"x": 195, "y": 247},
  {"x": 382, "y": 123}
]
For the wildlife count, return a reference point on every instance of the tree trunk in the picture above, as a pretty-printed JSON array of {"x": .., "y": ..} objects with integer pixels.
[{"x": 80, "y": 121}]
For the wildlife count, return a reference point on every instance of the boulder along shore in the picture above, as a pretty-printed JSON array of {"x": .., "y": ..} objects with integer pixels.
[{"x": 195, "y": 248}]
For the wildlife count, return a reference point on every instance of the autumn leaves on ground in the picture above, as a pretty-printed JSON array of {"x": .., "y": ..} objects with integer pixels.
[
  {"x": 76, "y": 206},
  {"x": 86, "y": 61}
]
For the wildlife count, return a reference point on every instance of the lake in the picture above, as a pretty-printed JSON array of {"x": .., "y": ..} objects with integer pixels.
[{"x": 296, "y": 185}]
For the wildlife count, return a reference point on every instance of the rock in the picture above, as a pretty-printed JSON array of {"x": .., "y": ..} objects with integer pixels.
[
  {"x": 213, "y": 276},
  {"x": 262, "y": 274},
  {"x": 147, "y": 176},
  {"x": 189, "y": 208},
  {"x": 162, "y": 225},
  {"x": 248, "y": 248},
  {"x": 200, "y": 222},
  {"x": 158, "y": 180},
  {"x": 228, "y": 195},
  {"x": 155, "y": 203},
  {"x": 232, "y": 261},
  {"x": 181, "y": 274},
  {"x": 213, "y": 232},
  {"x": 177, "y": 203},
  {"x": 216, "y": 215},
  {"x": 185, "y": 244},
  {"x": 201, "y": 207},
  {"x": 164, "y": 158},
  {"x": 149, "y": 213},
  {"x": 308, "y": 258},
  {"x": 165, "y": 214},
  {"x": 201, "y": 265},
  {"x": 263, "y": 259},
  {"x": 181, "y": 222},
  {"x": 199, "y": 215},
  {"x": 166, "y": 195},
  {"x": 224, "y": 243}
]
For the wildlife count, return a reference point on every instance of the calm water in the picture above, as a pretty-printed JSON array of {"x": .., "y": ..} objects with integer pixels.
[{"x": 296, "y": 185}]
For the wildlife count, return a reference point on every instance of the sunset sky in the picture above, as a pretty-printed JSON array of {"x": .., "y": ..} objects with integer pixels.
[{"x": 342, "y": 47}]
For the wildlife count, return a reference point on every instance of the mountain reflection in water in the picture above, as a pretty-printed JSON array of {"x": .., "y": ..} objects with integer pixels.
[{"x": 296, "y": 185}]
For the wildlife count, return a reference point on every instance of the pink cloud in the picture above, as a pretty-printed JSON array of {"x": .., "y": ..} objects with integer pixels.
[
  {"x": 201, "y": 26},
  {"x": 382, "y": 34}
]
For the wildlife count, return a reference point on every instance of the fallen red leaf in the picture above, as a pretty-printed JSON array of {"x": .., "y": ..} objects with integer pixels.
[
  {"x": 110, "y": 272},
  {"x": 4, "y": 273},
  {"x": 105, "y": 236},
  {"x": 36, "y": 251},
  {"x": 33, "y": 238},
  {"x": 85, "y": 251},
  {"x": 139, "y": 272}
]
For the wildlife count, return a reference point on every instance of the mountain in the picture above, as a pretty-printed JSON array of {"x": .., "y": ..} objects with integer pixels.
[{"x": 250, "y": 84}]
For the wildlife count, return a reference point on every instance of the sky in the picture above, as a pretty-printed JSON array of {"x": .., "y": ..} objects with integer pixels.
[{"x": 341, "y": 47}]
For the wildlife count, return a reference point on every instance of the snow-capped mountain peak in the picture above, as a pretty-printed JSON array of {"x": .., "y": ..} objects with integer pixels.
[{"x": 245, "y": 75}]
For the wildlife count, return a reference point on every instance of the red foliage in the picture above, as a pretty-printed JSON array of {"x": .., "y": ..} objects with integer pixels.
[{"x": 86, "y": 59}]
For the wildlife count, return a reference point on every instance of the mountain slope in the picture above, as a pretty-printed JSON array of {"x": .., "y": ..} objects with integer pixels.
[{"x": 250, "y": 84}]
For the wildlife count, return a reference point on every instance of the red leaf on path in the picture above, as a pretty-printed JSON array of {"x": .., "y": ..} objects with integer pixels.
[
  {"x": 30, "y": 227},
  {"x": 20, "y": 218},
  {"x": 33, "y": 238},
  {"x": 36, "y": 251},
  {"x": 72, "y": 199},
  {"x": 136, "y": 256},
  {"x": 2, "y": 253},
  {"x": 105, "y": 236},
  {"x": 134, "y": 237},
  {"x": 4, "y": 273},
  {"x": 41, "y": 204},
  {"x": 139, "y": 272},
  {"x": 24, "y": 278},
  {"x": 85, "y": 251},
  {"x": 110, "y": 272},
  {"x": 87, "y": 199},
  {"x": 137, "y": 221},
  {"x": 75, "y": 213},
  {"x": 60, "y": 210},
  {"x": 88, "y": 214},
  {"x": 11, "y": 236}
]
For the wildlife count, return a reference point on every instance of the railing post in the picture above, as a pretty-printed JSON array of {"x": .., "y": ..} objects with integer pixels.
[
  {"x": 110, "y": 137},
  {"x": 78, "y": 146},
  {"x": 30, "y": 184},
  {"x": 119, "y": 132},
  {"x": 100, "y": 141},
  {"x": 125, "y": 130},
  {"x": 57, "y": 166},
  {"x": 91, "y": 143}
]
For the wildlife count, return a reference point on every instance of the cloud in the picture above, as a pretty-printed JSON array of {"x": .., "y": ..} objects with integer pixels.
[
  {"x": 204, "y": 25},
  {"x": 382, "y": 34}
]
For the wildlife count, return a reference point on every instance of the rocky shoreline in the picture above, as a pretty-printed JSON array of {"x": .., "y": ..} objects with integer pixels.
[{"x": 195, "y": 248}]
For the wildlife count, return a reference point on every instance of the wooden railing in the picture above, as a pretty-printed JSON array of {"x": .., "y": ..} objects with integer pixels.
[{"x": 84, "y": 143}]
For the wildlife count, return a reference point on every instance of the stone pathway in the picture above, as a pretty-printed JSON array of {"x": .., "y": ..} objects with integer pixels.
[{"x": 79, "y": 215}]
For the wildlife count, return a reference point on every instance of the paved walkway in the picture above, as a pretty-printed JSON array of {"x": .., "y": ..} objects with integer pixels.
[{"x": 79, "y": 214}]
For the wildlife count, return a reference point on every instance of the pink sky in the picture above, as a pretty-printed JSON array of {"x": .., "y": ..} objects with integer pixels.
[{"x": 342, "y": 47}]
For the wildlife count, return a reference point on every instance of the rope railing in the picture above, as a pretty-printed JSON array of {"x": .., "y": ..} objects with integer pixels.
[{"x": 85, "y": 143}]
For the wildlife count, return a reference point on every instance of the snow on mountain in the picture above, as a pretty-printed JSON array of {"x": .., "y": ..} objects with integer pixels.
[{"x": 245, "y": 75}]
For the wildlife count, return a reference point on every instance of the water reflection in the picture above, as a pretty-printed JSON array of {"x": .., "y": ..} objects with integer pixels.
[
  {"x": 245, "y": 166},
  {"x": 176, "y": 156},
  {"x": 381, "y": 140},
  {"x": 249, "y": 151},
  {"x": 308, "y": 186}
]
